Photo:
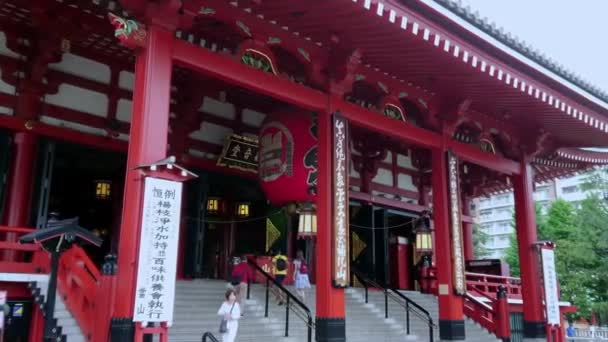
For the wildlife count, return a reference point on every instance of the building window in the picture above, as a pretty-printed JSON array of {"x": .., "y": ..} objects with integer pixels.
[{"x": 570, "y": 189}]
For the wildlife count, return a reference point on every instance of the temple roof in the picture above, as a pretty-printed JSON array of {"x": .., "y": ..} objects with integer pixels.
[{"x": 520, "y": 46}]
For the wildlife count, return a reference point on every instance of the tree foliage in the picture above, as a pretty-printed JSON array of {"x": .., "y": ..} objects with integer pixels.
[
  {"x": 581, "y": 254},
  {"x": 480, "y": 238}
]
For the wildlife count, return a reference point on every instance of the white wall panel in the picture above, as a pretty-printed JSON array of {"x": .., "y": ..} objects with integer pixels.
[
  {"x": 253, "y": 118},
  {"x": 123, "y": 110},
  {"x": 83, "y": 67},
  {"x": 405, "y": 182},
  {"x": 212, "y": 133},
  {"x": 384, "y": 176},
  {"x": 4, "y": 50},
  {"x": 218, "y": 108},
  {"x": 79, "y": 99},
  {"x": 126, "y": 80}
]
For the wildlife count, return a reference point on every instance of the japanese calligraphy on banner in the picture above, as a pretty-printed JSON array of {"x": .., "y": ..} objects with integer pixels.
[
  {"x": 158, "y": 251},
  {"x": 240, "y": 153},
  {"x": 456, "y": 225},
  {"x": 341, "y": 266},
  {"x": 550, "y": 281}
]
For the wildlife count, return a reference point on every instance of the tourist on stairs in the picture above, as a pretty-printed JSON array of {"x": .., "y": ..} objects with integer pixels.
[
  {"x": 239, "y": 280},
  {"x": 300, "y": 275},
  {"x": 280, "y": 267},
  {"x": 230, "y": 313}
]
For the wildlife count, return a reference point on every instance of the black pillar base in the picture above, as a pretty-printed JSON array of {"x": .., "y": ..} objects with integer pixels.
[
  {"x": 451, "y": 330},
  {"x": 122, "y": 330},
  {"x": 330, "y": 330},
  {"x": 534, "y": 330}
]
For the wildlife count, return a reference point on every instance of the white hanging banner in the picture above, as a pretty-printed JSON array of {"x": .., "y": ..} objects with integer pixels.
[
  {"x": 460, "y": 287},
  {"x": 3, "y": 295},
  {"x": 341, "y": 236},
  {"x": 158, "y": 245},
  {"x": 550, "y": 281}
]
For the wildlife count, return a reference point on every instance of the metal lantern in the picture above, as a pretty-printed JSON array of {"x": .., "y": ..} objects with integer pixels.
[
  {"x": 307, "y": 225},
  {"x": 242, "y": 210},
  {"x": 103, "y": 189},
  {"x": 213, "y": 205},
  {"x": 424, "y": 236}
]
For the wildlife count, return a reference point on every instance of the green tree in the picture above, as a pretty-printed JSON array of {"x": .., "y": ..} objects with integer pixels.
[
  {"x": 512, "y": 254},
  {"x": 480, "y": 238}
]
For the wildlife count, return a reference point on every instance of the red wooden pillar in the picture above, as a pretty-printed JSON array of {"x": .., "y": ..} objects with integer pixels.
[
  {"x": 20, "y": 187},
  {"x": 467, "y": 231},
  {"x": 147, "y": 144},
  {"x": 525, "y": 218},
  {"x": 451, "y": 315},
  {"x": 330, "y": 323}
]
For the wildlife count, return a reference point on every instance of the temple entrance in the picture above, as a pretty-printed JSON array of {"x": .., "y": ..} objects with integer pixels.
[
  {"x": 227, "y": 216},
  {"x": 77, "y": 181},
  {"x": 376, "y": 233}
]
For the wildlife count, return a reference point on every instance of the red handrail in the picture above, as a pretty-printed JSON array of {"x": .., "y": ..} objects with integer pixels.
[
  {"x": 87, "y": 293},
  {"x": 488, "y": 284},
  {"x": 39, "y": 262}
]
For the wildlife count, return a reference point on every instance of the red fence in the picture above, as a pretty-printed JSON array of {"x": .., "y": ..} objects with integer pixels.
[
  {"x": 488, "y": 284},
  {"x": 87, "y": 293},
  {"x": 31, "y": 259}
]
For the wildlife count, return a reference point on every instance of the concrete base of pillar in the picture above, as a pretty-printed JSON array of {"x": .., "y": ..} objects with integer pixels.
[
  {"x": 451, "y": 330},
  {"x": 330, "y": 330}
]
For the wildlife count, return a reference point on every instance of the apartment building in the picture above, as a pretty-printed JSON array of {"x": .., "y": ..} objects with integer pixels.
[{"x": 495, "y": 214}]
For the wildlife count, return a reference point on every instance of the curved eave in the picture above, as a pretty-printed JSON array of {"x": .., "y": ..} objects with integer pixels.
[
  {"x": 581, "y": 156},
  {"x": 407, "y": 45},
  {"x": 514, "y": 46}
]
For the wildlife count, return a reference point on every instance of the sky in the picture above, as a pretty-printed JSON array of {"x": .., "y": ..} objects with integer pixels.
[{"x": 573, "y": 33}]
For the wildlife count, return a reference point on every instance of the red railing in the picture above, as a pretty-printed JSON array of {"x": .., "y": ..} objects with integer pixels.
[
  {"x": 488, "y": 284},
  {"x": 86, "y": 292},
  {"x": 481, "y": 311},
  {"x": 31, "y": 259}
]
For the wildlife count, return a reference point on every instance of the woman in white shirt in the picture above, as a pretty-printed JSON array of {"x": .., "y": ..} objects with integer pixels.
[
  {"x": 231, "y": 312},
  {"x": 300, "y": 275}
]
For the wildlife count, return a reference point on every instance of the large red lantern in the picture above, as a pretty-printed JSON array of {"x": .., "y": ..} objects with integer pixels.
[{"x": 288, "y": 156}]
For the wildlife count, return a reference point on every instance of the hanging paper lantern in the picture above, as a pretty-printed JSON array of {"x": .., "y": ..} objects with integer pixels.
[{"x": 288, "y": 157}]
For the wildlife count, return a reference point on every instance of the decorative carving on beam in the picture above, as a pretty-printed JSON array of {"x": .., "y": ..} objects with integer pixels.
[
  {"x": 537, "y": 143},
  {"x": 451, "y": 114},
  {"x": 130, "y": 33},
  {"x": 257, "y": 55}
]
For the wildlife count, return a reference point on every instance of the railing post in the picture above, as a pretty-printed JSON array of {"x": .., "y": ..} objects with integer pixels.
[
  {"x": 267, "y": 294},
  {"x": 287, "y": 317},
  {"x": 309, "y": 329},
  {"x": 503, "y": 324},
  {"x": 366, "y": 294},
  {"x": 385, "y": 303},
  {"x": 407, "y": 317},
  {"x": 248, "y": 289}
]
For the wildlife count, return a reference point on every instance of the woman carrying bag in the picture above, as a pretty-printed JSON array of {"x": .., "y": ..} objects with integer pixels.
[{"x": 230, "y": 312}]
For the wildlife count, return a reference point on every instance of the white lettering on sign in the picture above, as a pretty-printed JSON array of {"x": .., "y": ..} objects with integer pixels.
[
  {"x": 456, "y": 222},
  {"x": 550, "y": 280},
  {"x": 158, "y": 251},
  {"x": 340, "y": 176}
]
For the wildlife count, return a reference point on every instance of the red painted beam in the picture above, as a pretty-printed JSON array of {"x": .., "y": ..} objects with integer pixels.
[
  {"x": 381, "y": 201},
  {"x": 64, "y": 134},
  {"x": 476, "y": 156},
  {"x": 228, "y": 70}
]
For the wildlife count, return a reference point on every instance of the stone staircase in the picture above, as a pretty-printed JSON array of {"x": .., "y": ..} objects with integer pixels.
[
  {"x": 418, "y": 328},
  {"x": 197, "y": 302},
  {"x": 66, "y": 324}
]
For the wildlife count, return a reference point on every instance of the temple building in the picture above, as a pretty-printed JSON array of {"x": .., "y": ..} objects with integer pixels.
[{"x": 146, "y": 144}]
